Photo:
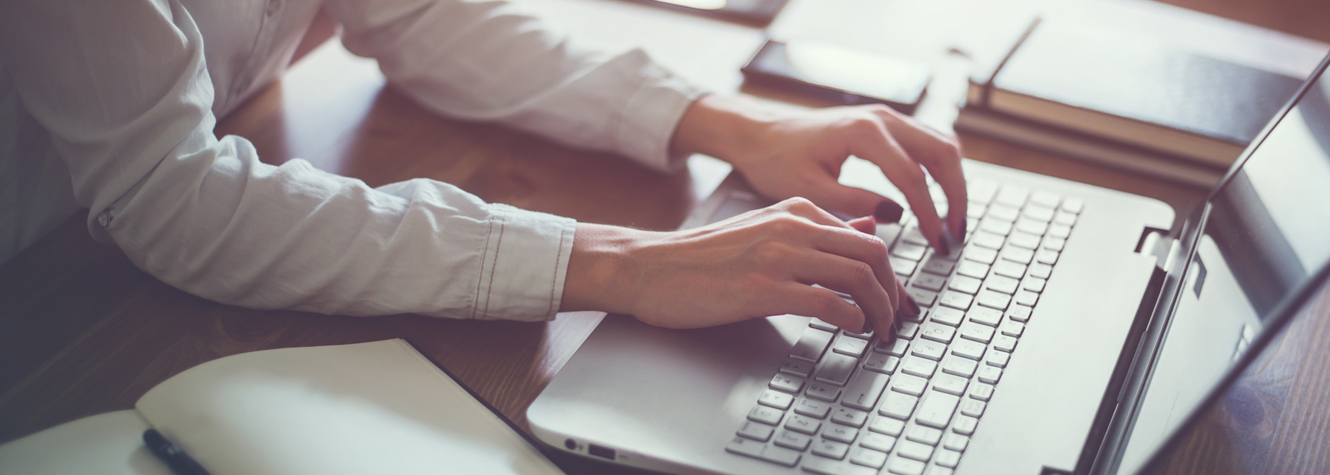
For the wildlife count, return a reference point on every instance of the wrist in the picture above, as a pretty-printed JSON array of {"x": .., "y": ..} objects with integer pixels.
[
  {"x": 599, "y": 269},
  {"x": 721, "y": 127}
]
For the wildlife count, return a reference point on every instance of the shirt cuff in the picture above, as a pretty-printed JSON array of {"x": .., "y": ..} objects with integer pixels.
[
  {"x": 524, "y": 265},
  {"x": 651, "y": 115}
]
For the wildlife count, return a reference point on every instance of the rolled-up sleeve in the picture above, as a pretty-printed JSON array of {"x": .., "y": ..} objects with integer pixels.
[
  {"x": 122, "y": 88},
  {"x": 486, "y": 60}
]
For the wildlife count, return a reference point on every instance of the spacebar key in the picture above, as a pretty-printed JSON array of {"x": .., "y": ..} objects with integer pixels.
[{"x": 864, "y": 389}]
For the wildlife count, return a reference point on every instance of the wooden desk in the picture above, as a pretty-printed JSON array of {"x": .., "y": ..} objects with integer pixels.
[{"x": 82, "y": 331}]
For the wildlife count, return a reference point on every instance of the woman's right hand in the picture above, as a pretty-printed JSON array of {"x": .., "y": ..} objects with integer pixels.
[{"x": 761, "y": 263}]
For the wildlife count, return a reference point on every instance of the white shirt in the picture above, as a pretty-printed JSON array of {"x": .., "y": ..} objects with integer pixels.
[{"x": 110, "y": 105}]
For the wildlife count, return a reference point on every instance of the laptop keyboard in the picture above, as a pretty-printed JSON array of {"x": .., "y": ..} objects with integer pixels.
[{"x": 845, "y": 403}]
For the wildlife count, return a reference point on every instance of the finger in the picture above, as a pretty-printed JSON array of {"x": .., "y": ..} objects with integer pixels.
[
  {"x": 823, "y": 304},
  {"x": 856, "y": 201},
  {"x": 941, "y": 155},
  {"x": 851, "y": 277},
  {"x": 866, "y": 224},
  {"x": 876, "y": 145},
  {"x": 863, "y": 248}
]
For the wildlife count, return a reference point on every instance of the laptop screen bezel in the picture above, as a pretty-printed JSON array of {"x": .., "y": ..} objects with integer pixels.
[{"x": 1280, "y": 315}]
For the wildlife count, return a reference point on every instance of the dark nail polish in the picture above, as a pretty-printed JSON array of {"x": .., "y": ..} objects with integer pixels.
[
  {"x": 964, "y": 224},
  {"x": 888, "y": 211},
  {"x": 868, "y": 327},
  {"x": 909, "y": 307},
  {"x": 942, "y": 246}
]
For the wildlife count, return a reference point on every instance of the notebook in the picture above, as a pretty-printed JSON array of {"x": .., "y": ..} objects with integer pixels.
[
  {"x": 378, "y": 407},
  {"x": 1073, "y": 333}
]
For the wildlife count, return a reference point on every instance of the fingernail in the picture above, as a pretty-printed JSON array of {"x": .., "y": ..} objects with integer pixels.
[
  {"x": 868, "y": 326},
  {"x": 943, "y": 246},
  {"x": 965, "y": 223},
  {"x": 951, "y": 238},
  {"x": 909, "y": 307},
  {"x": 888, "y": 211}
]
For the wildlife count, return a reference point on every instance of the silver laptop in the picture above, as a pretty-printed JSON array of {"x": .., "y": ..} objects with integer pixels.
[{"x": 1070, "y": 335}]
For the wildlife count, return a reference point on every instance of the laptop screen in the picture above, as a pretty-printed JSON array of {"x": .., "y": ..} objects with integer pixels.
[{"x": 1267, "y": 232}]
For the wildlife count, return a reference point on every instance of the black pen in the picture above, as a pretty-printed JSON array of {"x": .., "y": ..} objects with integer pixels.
[{"x": 174, "y": 456}]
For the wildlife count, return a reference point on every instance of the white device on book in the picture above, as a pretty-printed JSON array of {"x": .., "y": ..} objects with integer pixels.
[
  {"x": 1070, "y": 335},
  {"x": 378, "y": 407}
]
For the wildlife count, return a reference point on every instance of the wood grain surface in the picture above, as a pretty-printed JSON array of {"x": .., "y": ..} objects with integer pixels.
[{"x": 82, "y": 331}]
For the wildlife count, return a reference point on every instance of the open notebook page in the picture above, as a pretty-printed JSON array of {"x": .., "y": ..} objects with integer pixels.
[{"x": 376, "y": 407}]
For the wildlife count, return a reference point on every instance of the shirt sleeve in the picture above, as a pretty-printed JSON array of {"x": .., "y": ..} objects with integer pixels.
[
  {"x": 123, "y": 90},
  {"x": 485, "y": 60}
]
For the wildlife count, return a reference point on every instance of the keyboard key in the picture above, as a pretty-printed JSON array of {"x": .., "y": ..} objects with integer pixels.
[
  {"x": 797, "y": 368},
  {"x": 955, "y": 300},
  {"x": 811, "y": 345},
  {"x": 974, "y": 269},
  {"x": 1019, "y": 313},
  {"x": 862, "y": 336},
  {"x": 923, "y": 435},
  {"x": 1012, "y": 195},
  {"x": 1045, "y": 256},
  {"x": 863, "y": 391},
  {"x": 980, "y": 190},
  {"x": 1041, "y": 271},
  {"x": 973, "y": 407},
  {"x": 1004, "y": 343},
  {"x": 756, "y": 431},
  {"x": 1009, "y": 269},
  {"x": 993, "y": 300},
  {"x": 1013, "y": 329},
  {"x": 898, "y": 405},
  {"x": 1033, "y": 284},
  {"x": 919, "y": 367},
  {"x": 938, "y": 267},
  {"x": 1072, "y": 205},
  {"x": 912, "y": 252},
  {"x": 930, "y": 282},
  {"x": 836, "y": 368},
  {"x": 956, "y": 442},
  {"x": 1018, "y": 255},
  {"x": 999, "y": 359},
  {"x": 1065, "y": 218},
  {"x": 1023, "y": 240},
  {"x": 849, "y": 345},
  {"x": 922, "y": 297},
  {"x": 980, "y": 254},
  {"x": 984, "y": 315},
  {"x": 1026, "y": 298},
  {"x": 903, "y": 466},
  {"x": 981, "y": 391},
  {"x": 1059, "y": 231},
  {"x": 886, "y": 426},
  {"x": 787, "y": 383},
  {"x": 930, "y": 349},
  {"x": 1045, "y": 198},
  {"x": 960, "y": 366},
  {"x": 913, "y": 236},
  {"x": 986, "y": 239},
  {"x": 1031, "y": 226},
  {"x": 937, "y": 332},
  {"x": 975, "y": 210},
  {"x": 961, "y": 283},
  {"x": 948, "y": 458},
  {"x": 839, "y": 433},
  {"x": 803, "y": 424},
  {"x": 781, "y": 456},
  {"x": 826, "y": 466},
  {"x": 914, "y": 450},
  {"x": 775, "y": 399},
  {"x": 823, "y": 391},
  {"x": 990, "y": 374},
  {"x": 881, "y": 363},
  {"x": 969, "y": 349},
  {"x": 906, "y": 330},
  {"x": 1038, "y": 213},
  {"x": 976, "y": 332},
  {"x": 1003, "y": 212},
  {"x": 869, "y": 457},
  {"x": 766, "y": 415},
  {"x": 821, "y": 325},
  {"x": 743, "y": 446},
  {"x": 936, "y": 411},
  {"x": 1054, "y": 244},
  {"x": 896, "y": 347},
  {"x": 830, "y": 449},
  {"x": 948, "y": 316},
  {"x": 949, "y": 384},
  {"x": 965, "y": 425},
  {"x": 793, "y": 440},
  {"x": 902, "y": 267},
  {"x": 811, "y": 408},
  {"x": 850, "y": 417}
]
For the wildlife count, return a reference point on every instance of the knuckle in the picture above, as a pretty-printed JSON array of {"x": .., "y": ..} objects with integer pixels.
[
  {"x": 877, "y": 248},
  {"x": 862, "y": 273}
]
